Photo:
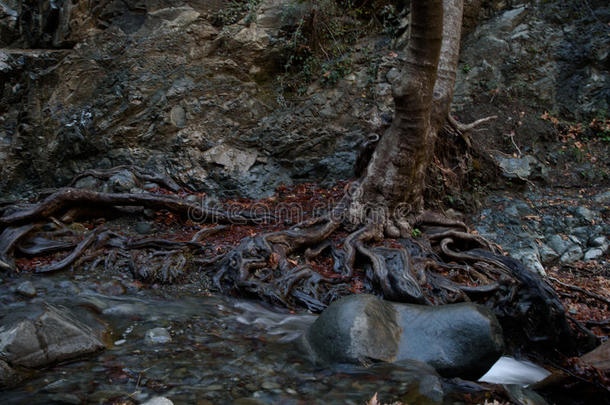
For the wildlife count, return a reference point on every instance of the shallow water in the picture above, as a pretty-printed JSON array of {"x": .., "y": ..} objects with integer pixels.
[
  {"x": 222, "y": 351},
  {"x": 508, "y": 370}
]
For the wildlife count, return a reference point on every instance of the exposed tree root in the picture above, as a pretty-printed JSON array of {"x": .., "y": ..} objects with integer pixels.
[
  {"x": 581, "y": 290},
  {"x": 8, "y": 238},
  {"x": 69, "y": 197},
  {"x": 444, "y": 264}
]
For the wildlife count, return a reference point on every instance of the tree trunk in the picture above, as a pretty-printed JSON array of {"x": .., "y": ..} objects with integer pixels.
[{"x": 391, "y": 190}]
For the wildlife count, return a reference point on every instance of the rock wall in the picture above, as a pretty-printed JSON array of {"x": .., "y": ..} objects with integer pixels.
[{"x": 157, "y": 84}]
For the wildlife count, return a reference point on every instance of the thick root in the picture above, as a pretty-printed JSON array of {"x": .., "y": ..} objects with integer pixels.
[{"x": 69, "y": 197}]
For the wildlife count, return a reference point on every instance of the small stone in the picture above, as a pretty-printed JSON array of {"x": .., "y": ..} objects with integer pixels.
[
  {"x": 582, "y": 233},
  {"x": 514, "y": 167},
  {"x": 558, "y": 244},
  {"x": 65, "y": 398},
  {"x": 571, "y": 255},
  {"x": 122, "y": 182},
  {"x": 593, "y": 254},
  {"x": 178, "y": 116},
  {"x": 547, "y": 254},
  {"x": 157, "y": 336},
  {"x": 531, "y": 260},
  {"x": 111, "y": 288},
  {"x": 143, "y": 228},
  {"x": 392, "y": 75},
  {"x": 270, "y": 385},
  {"x": 586, "y": 213},
  {"x": 120, "y": 342},
  {"x": 158, "y": 401},
  {"x": 26, "y": 289},
  {"x": 602, "y": 198},
  {"x": 600, "y": 242},
  {"x": 105, "y": 396}
]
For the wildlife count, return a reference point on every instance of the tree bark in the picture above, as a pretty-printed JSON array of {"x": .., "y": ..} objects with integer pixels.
[{"x": 391, "y": 190}]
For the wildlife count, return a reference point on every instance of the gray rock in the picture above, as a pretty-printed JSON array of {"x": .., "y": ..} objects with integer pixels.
[
  {"x": 157, "y": 336},
  {"x": 582, "y": 233},
  {"x": 602, "y": 198},
  {"x": 143, "y": 228},
  {"x": 559, "y": 245},
  {"x": 571, "y": 255},
  {"x": 547, "y": 255},
  {"x": 45, "y": 336},
  {"x": 586, "y": 213},
  {"x": 122, "y": 181},
  {"x": 600, "y": 242},
  {"x": 516, "y": 167},
  {"x": 531, "y": 259},
  {"x": 158, "y": 401},
  {"x": 362, "y": 328},
  {"x": 178, "y": 116},
  {"x": 593, "y": 254},
  {"x": 26, "y": 289}
]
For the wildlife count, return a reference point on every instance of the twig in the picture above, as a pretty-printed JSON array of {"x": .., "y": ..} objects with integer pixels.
[{"x": 582, "y": 290}]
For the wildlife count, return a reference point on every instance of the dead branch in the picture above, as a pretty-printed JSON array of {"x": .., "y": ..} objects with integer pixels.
[{"x": 581, "y": 290}]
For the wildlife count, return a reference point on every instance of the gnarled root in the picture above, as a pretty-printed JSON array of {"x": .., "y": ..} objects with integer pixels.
[{"x": 69, "y": 197}]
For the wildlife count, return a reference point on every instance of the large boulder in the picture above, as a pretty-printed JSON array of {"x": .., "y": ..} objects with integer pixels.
[
  {"x": 457, "y": 340},
  {"x": 42, "y": 335}
]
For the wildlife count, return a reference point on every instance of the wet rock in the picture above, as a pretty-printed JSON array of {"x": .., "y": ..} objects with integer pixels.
[
  {"x": 111, "y": 288},
  {"x": 572, "y": 254},
  {"x": 26, "y": 289},
  {"x": 45, "y": 335},
  {"x": 8, "y": 376},
  {"x": 158, "y": 401},
  {"x": 126, "y": 309},
  {"x": 523, "y": 395},
  {"x": 65, "y": 398},
  {"x": 157, "y": 336},
  {"x": 362, "y": 328},
  {"x": 593, "y": 254}
]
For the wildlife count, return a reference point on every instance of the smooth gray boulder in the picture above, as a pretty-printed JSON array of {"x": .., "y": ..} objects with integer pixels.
[
  {"x": 461, "y": 340},
  {"x": 45, "y": 335}
]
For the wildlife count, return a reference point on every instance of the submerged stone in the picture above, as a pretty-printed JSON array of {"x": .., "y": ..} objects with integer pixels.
[
  {"x": 157, "y": 336},
  {"x": 39, "y": 339},
  {"x": 26, "y": 289}
]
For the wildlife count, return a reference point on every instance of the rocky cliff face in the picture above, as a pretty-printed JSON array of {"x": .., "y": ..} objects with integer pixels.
[{"x": 160, "y": 84}]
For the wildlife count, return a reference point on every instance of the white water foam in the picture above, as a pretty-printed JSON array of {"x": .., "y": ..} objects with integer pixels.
[{"x": 508, "y": 370}]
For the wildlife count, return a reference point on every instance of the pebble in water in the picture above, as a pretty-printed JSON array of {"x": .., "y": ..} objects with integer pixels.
[
  {"x": 157, "y": 336},
  {"x": 26, "y": 289}
]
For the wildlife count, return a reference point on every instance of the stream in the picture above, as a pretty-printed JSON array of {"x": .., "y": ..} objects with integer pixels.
[{"x": 221, "y": 350}]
